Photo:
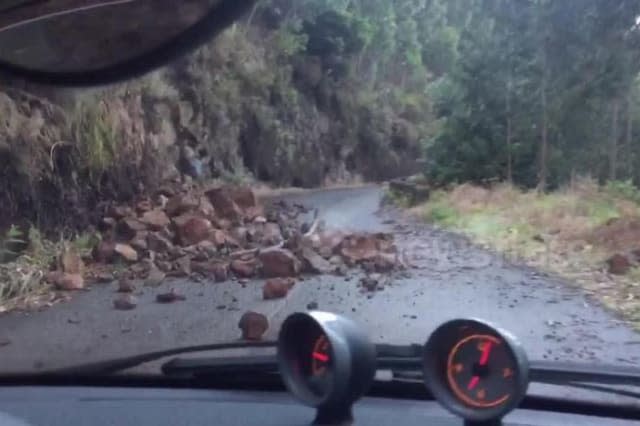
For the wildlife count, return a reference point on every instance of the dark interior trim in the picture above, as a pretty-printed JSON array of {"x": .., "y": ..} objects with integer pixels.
[{"x": 271, "y": 383}]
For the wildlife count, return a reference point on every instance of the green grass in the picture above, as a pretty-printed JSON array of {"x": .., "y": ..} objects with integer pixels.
[
  {"x": 97, "y": 139},
  {"x": 548, "y": 231}
]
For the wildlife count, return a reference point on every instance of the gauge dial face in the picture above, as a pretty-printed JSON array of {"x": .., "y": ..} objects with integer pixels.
[
  {"x": 320, "y": 366},
  {"x": 480, "y": 371},
  {"x": 310, "y": 356},
  {"x": 475, "y": 370}
]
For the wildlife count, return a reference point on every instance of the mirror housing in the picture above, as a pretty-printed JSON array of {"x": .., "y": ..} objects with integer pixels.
[{"x": 94, "y": 42}]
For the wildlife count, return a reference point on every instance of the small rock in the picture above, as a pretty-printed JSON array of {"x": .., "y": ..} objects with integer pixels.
[
  {"x": 538, "y": 238},
  {"x": 370, "y": 283},
  {"x": 68, "y": 282},
  {"x": 126, "y": 252},
  {"x": 312, "y": 306},
  {"x": 219, "y": 270},
  {"x": 125, "y": 303},
  {"x": 163, "y": 200},
  {"x": 164, "y": 266},
  {"x": 316, "y": 263},
  {"x": 279, "y": 263},
  {"x": 129, "y": 227},
  {"x": 277, "y": 288},
  {"x": 253, "y": 325},
  {"x": 103, "y": 277},
  {"x": 243, "y": 281},
  {"x": 342, "y": 270},
  {"x": 221, "y": 238},
  {"x": 158, "y": 243},
  {"x": 269, "y": 234},
  {"x": 619, "y": 264},
  {"x": 119, "y": 212},
  {"x": 244, "y": 268},
  {"x": 385, "y": 262},
  {"x": 170, "y": 297},
  {"x": 239, "y": 235},
  {"x": 125, "y": 286},
  {"x": 73, "y": 320},
  {"x": 181, "y": 203},
  {"x": 107, "y": 224},
  {"x": 155, "y": 220},
  {"x": 155, "y": 277},
  {"x": 104, "y": 252},
  {"x": 143, "y": 206},
  {"x": 140, "y": 241},
  {"x": 182, "y": 267},
  {"x": 207, "y": 249}
]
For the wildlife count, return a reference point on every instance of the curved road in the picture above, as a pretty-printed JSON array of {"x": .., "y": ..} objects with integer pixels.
[{"x": 451, "y": 279}]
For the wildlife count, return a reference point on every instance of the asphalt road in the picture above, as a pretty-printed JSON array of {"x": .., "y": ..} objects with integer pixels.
[{"x": 451, "y": 279}]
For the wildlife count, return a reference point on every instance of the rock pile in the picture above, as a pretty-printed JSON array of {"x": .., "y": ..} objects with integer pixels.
[{"x": 217, "y": 234}]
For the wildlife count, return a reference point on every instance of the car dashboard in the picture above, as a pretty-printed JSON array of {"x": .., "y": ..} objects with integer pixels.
[
  {"x": 68, "y": 406},
  {"x": 326, "y": 372}
]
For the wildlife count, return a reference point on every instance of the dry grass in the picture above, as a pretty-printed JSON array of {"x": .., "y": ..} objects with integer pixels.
[{"x": 570, "y": 232}]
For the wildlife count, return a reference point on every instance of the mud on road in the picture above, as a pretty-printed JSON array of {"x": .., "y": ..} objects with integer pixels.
[{"x": 448, "y": 278}]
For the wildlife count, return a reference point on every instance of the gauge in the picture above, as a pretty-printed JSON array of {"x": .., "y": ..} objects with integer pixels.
[
  {"x": 326, "y": 361},
  {"x": 475, "y": 370}
]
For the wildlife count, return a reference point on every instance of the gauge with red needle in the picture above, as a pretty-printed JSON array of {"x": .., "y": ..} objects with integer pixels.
[
  {"x": 475, "y": 369},
  {"x": 320, "y": 356}
]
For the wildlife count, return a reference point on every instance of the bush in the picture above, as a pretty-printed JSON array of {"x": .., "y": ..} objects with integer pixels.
[
  {"x": 9, "y": 241},
  {"x": 623, "y": 189}
]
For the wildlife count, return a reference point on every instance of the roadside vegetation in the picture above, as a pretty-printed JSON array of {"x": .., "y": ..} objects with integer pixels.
[{"x": 586, "y": 233}]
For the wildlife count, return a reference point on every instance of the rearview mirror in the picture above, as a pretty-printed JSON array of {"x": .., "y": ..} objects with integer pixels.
[{"x": 89, "y": 42}]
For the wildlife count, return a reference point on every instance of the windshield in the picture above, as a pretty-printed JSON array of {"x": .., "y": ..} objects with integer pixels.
[{"x": 400, "y": 162}]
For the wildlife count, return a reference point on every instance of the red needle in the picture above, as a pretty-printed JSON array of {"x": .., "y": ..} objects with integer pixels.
[
  {"x": 474, "y": 382},
  {"x": 484, "y": 358},
  {"x": 320, "y": 357}
]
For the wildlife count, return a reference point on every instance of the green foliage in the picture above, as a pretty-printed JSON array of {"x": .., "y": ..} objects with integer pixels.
[
  {"x": 335, "y": 33},
  {"x": 97, "y": 139},
  {"x": 290, "y": 42},
  {"x": 623, "y": 189},
  {"x": 13, "y": 237},
  {"x": 529, "y": 89}
]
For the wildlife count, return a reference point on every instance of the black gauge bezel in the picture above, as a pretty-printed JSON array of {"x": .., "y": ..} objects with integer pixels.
[
  {"x": 434, "y": 358},
  {"x": 353, "y": 359}
]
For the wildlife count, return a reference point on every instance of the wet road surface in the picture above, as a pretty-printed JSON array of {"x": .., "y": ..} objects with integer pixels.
[{"x": 451, "y": 279}]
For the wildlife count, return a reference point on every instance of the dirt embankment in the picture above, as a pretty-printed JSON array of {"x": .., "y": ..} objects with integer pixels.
[{"x": 239, "y": 109}]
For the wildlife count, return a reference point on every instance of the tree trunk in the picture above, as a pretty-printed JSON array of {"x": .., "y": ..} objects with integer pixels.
[
  {"x": 628, "y": 137},
  {"x": 509, "y": 135},
  {"x": 544, "y": 141},
  {"x": 613, "y": 142}
]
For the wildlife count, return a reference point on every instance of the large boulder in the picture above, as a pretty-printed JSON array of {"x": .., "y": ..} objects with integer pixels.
[
  {"x": 224, "y": 204},
  {"x": 279, "y": 262},
  {"x": 180, "y": 204},
  {"x": 193, "y": 230}
]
